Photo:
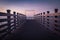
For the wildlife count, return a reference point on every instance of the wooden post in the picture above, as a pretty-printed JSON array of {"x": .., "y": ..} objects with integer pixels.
[
  {"x": 41, "y": 18},
  {"x": 56, "y": 10},
  {"x": 8, "y": 20},
  {"x": 17, "y": 19},
  {"x": 48, "y": 12},
  {"x": 14, "y": 20},
  {"x": 43, "y": 12}
]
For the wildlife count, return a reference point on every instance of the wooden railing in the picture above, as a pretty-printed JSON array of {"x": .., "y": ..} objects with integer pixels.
[
  {"x": 9, "y": 22},
  {"x": 51, "y": 21}
]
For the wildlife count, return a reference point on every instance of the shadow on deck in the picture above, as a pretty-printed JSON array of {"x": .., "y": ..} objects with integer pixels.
[{"x": 31, "y": 30}]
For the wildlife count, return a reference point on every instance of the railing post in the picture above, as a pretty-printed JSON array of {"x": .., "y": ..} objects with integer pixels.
[
  {"x": 17, "y": 19},
  {"x": 8, "y": 20},
  {"x": 14, "y": 20},
  {"x": 43, "y": 12},
  {"x": 41, "y": 17},
  {"x": 48, "y": 12},
  {"x": 56, "y": 10}
]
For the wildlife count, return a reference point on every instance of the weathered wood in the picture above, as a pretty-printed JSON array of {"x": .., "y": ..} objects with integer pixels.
[
  {"x": 18, "y": 20},
  {"x": 3, "y": 20},
  {"x": 3, "y": 25},
  {"x": 3, "y": 14},
  {"x": 15, "y": 20},
  {"x": 8, "y": 18},
  {"x": 5, "y": 30}
]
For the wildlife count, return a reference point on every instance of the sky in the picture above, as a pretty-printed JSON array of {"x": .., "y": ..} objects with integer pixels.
[{"x": 22, "y": 5}]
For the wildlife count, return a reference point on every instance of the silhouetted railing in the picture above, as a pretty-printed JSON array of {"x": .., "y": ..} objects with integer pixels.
[
  {"x": 51, "y": 21},
  {"x": 9, "y": 22}
]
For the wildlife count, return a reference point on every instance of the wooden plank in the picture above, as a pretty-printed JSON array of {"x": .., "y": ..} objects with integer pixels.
[
  {"x": 3, "y": 20},
  {"x": 3, "y": 25},
  {"x": 3, "y": 14},
  {"x": 11, "y": 22},
  {"x": 5, "y": 30},
  {"x": 11, "y": 18},
  {"x": 12, "y": 25}
]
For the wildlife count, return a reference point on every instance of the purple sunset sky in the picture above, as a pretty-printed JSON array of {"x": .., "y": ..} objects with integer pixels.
[{"x": 22, "y": 5}]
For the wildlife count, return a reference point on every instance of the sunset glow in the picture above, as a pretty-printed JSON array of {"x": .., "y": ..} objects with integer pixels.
[{"x": 22, "y": 5}]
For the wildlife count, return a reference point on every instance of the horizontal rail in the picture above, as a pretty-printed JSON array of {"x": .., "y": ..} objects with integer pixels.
[
  {"x": 3, "y": 25},
  {"x": 5, "y": 30},
  {"x": 5, "y": 14},
  {"x": 7, "y": 25},
  {"x": 3, "y": 20}
]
